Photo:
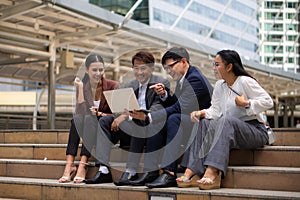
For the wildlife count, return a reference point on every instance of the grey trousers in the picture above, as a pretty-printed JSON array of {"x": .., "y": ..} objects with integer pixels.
[{"x": 215, "y": 139}]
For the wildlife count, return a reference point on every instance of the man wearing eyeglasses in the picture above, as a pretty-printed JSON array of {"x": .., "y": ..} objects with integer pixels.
[
  {"x": 122, "y": 128},
  {"x": 193, "y": 92}
]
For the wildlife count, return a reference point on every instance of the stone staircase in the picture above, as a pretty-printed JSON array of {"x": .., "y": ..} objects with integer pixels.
[{"x": 32, "y": 161}]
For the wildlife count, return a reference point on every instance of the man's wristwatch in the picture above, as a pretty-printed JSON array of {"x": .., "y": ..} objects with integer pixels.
[{"x": 147, "y": 119}]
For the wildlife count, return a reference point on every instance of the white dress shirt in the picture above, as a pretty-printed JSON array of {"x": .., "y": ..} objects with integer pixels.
[{"x": 142, "y": 95}]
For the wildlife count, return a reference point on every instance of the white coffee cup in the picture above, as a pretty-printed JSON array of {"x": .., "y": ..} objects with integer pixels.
[{"x": 97, "y": 103}]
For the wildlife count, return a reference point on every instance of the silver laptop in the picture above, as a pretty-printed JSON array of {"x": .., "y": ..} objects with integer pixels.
[{"x": 121, "y": 99}]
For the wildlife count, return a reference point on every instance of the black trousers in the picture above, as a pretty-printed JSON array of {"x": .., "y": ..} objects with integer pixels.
[
  {"x": 153, "y": 139},
  {"x": 178, "y": 140},
  {"x": 80, "y": 129}
]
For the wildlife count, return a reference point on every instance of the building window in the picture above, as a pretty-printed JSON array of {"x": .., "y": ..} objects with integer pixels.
[
  {"x": 274, "y": 5},
  {"x": 118, "y": 6},
  {"x": 224, "y": 2},
  {"x": 242, "y": 8},
  {"x": 277, "y": 27},
  {"x": 274, "y": 38},
  {"x": 238, "y": 6},
  {"x": 280, "y": 49},
  {"x": 289, "y": 49},
  {"x": 268, "y": 26},
  {"x": 273, "y": 15},
  {"x": 291, "y": 38},
  {"x": 226, "y": 19},
  {"x": 248, "y": 45},
  {"x": 180, "y": 3},
  {"x": 290, "y": 15},
  {"x": 267, "y": 59},
  {"x": 268, "y": 49},
  {"x": 121, "y": 7},
  {"x": 193, "y": 27},
  {"x": 238, "y": 24},
  {"x": 269, "y": 16},
  {"x": 277, "y": 60},
  {"x": 291, "y": 27},
  {"x": 273, "y": 49},
  {"x": 290, "y": 60},
  {"x": 291, "y": 5},
  {"x": 204, "y": 11},
  {"x": 164, "y": 17},
  {"x": 214, "y": 36}
]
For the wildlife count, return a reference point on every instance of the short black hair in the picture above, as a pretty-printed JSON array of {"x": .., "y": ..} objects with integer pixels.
[
  {"x": 145, "y": 57},
  {"x": 176, "y": 53}
]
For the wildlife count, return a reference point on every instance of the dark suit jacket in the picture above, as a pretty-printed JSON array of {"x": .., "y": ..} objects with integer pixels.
[
  {"x": 195, "y": 95},
  {"x": 84, "y": 108}
]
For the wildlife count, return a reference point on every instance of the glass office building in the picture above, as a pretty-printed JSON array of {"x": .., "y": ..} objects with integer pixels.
[
  {"x": 122, "y": 7},
  {"x": 279, "y": 34},
  {"x": 230, "y": 24}
]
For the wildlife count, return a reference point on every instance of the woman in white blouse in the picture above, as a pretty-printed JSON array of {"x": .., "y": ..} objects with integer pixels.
[{"x": 234, "y": 121}]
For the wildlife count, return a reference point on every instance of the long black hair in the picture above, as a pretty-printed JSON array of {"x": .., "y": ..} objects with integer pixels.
[
  {"x": 89, "y": 60},
  {"x": 232, "y": 57}
]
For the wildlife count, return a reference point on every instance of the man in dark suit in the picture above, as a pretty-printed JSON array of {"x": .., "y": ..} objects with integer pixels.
[
  {"x": 123, "y": 126},
  {"x": 193, "y": 92}
]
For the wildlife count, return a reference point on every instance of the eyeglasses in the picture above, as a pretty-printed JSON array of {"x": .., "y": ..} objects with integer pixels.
[
  {"x": 170, "y": 66},
  {"x": 98, "y": 69}
]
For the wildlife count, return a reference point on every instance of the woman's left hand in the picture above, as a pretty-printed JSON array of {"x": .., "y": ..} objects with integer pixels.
[
  {"x": 196, "y": 115},
  {"x": 241, "y": 101}
]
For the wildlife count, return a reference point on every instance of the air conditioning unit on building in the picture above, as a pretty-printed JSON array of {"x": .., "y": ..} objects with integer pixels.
[{"x": 67, "y": 59}]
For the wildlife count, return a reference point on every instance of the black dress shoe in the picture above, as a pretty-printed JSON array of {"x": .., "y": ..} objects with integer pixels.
[
  {"x": 99, "y": 178},
  {"x": 125, "y": 179},
  {"x": 164, "y": 180},
  {"x": 147, "y": 177}
]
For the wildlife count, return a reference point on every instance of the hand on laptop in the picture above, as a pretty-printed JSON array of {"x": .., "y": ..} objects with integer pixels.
[{"x": 138, "y": 114}]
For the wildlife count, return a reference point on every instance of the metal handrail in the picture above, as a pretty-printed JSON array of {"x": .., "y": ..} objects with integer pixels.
[{"x": 20, "y": 120}]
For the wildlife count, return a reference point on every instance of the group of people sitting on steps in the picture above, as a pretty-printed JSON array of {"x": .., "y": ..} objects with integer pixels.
[{"x": 194, "y": 125}]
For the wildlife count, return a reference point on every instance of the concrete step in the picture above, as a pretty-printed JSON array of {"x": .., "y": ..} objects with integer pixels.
[
  {"x": 284, "y": 136},
  {"x": 246, "y": 177},
  {"x": 35, "y": 137},
  {"x": 261, "y": 177},
  {"x": 287, "y": 136},
  {"x": 281, "y": 156},
  {"x": 33, "y": 151},
  {"x": 51, "y": 152},
  {"x": 288, "y": 156},
  {"x": 49, "y": 169},
  {"x": 32, "y": 188}
]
